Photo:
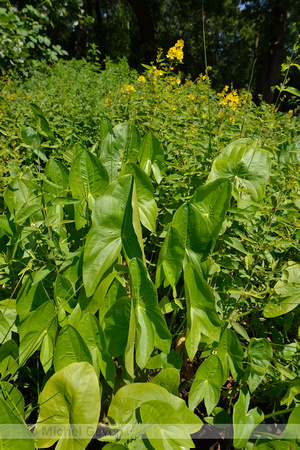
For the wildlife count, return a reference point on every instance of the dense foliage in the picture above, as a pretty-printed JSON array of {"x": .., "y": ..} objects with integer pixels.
[
  {"x": 149, "y": 260},
  {"x": 242, "y": 37}
]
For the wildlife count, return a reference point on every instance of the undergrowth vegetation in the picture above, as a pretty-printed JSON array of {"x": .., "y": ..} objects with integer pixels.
[{"x": 149, "y": 263}]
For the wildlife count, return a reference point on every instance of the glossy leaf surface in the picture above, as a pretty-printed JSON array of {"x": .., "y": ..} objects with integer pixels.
[
  {"x": 259, "y": 357},
  {"x": 168, "y": 429},
  {"x": 151, "y": 156},
  {"x": 153, "y": 328},
  {"x": 246, "y": 165},
  {"x": 207, "y": 384},
  {"x": 202, "y": 316},
  {"x": 244, "y": 421},
  {"x": 144, "y": 192},
  {"x": 70, "y": 348},
  {"x": 112, "y": 228},
  {"x": 119, "y": 147},
  {"x": 69, "y": 408},
  {"x": 129, "y": 398}
]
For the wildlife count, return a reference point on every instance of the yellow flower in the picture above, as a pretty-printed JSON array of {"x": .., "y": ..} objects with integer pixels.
[
  {"x": 178, "y": 81},
  {"x": 158, "y": 72},
  {"x": 142, "y": 79},
  {"x": 204, "y": 116},
  {"x": 290, "y": 111},
  {"x": 231, "y": 99},
  {"x": 176, "y": 51},
  {"x": 232, "y": 119},
  {"x": 127, "y": 88}
]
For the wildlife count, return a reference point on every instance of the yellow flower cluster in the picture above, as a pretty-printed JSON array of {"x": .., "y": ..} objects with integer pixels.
[
  {"x": 191, "y": 97},
  {"x": 231, "y": 99},
  {"x": 157, "y": 72},
  {"x": 142, "y": 79},
  {"x": 127, "y": 88},
  {"x": 176, "y": 52}
]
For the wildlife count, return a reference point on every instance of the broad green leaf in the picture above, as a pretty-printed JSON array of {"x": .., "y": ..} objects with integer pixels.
[
  {"x": 6, "y": 224},
  {"x": 169, "y": 379},
  {"x": 22, "y": 193},
  {"x": 170, "y": 259},
  {"x": 105, "y": 128},
  {"x": 108, "y": 293},
  {"x": 207, "y": 384},
  {"x": 13, "y": 398},
  {"x": 58, "y": 175},
  {"x": 235, "y": 243},
  {"x": 212, "y": 201},
  {"x": 129, "y": 349},
  {"x": 287, "y": 300},
  {"x": 47, "y": 352},
  {"x": 112, "y": 227},
  {"x": 70, "y": 348},
  {"x": 14, "y": 433},
  {"x": 199, "y": 221},
  {"x": 69, "y": 408},
  {"x": 88, "y": 178},
  {"x": 119, "y": 147},
  {"x": 120, "y": 331},
  {"x": 246, "y": 165},
  {"x": 287, "y": 292},
  {"x": 9, "y": 354},
  {"x": 164, "y": 361},
  {"x": 292, "y": 90},
  {"x": 231, "y": 354},
  {"x": 144, "y": 191},
  {"x": 293, "y": 390},
  {"x": 202, "y": 316},
  {"x": 93, "y": 335},
  {"x": 31, "y": 137},
  {"x": 117, "y": 321},
  {"x": 64, "y": 292},
  {"x": 42, "y": 273},
  {"x": 153, "y": 328},
  {"x": 5, "y": 333},
  {"x": 28, "y": 211},
  {"x": 168, "y": 430},
  {"x": 129, "y": 398},
  {"x": 187, "y": 221},
  {"x": 259, "y": 357},
  {"x": 35, "y": 327},
  {"x": 292, "y": 429},
  {"x": 8, "y": 315},
  {"x": 244, "y": 421},
  {"x": 151, "y": 156}
]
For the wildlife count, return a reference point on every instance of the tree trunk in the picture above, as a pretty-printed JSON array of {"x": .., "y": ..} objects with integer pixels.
[
  {"x": 142, "y": 10},
  {"x": 273, "y": 58}
]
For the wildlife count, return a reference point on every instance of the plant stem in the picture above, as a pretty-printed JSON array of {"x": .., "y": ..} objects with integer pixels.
[{"x": 279, "y": 413}]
